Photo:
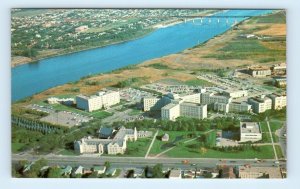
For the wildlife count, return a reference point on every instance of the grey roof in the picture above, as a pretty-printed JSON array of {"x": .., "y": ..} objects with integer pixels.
[{"x": 106, "y": 131}]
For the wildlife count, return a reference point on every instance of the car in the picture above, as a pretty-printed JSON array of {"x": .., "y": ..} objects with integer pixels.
[
  {"x": 276, "y": 162},
  {"x": 193, "y": 164}
]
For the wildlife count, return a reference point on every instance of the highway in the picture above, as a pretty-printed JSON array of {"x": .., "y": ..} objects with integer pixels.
[{"x": 136, "y": 162}]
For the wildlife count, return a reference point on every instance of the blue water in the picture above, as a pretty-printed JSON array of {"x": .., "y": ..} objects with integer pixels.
[{"x": 30, "y": 79}]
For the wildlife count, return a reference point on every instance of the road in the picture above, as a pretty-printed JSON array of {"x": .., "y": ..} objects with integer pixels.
[{"x": 127, "y": 162}]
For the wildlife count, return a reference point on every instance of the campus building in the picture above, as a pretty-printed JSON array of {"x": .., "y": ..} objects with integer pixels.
[
  {"x": 155, "y": 103},
  {"x": 279, "y": 82},
  {"x": 211, "y": 98},
  {"x": 235, "y": 93},
  {"x": 247, "y": 172},
  {"x": 250, "y": 132},
  {"x": 103, "y": 99},
  {"x": 232, "y": 107},
  {"x": 259, "y": 71},
  {"x": 186, "y": 109},
  {"x": 260, "y": 104},
  {"x": 114, "y": 145},
  {"x": 279, "y": 69},
  {"x": 278, "y": 101}
]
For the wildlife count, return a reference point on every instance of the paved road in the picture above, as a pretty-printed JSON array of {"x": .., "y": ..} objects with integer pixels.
[{"x": 141, "y": 161}]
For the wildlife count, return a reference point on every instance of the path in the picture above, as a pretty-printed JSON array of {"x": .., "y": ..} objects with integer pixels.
[
  {"x": 276, "y": 157},
  {"x": 154, "y": 137}
]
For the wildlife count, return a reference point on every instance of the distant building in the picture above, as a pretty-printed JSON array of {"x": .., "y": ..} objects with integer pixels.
[
  {"x": 279, "y": 81},
  {"x": 235, "y": 93},
  {"x": 170, "y": 111},
  {"x": 260, "y": 104},
  {"x": 228, "y": 173},
  {"x": 116, "y": 145},
  {"x": 99, "y": 169},
  {"x": 250, "y": 132},
  {"x": 165, "y": 138},
  {"x": 232, "y": 107},
  {"x": 81, "y": 28},
  {"x": 154, "y": 103},
  {"x": 279, "y": 69},
  {"x": 103, "y": 99},
  {"x": 78, "y": 170},
  {"x": 105, "y": 132},
  {"x": 175, "y": 174},
  {"x": 259, "y": 71},
  {"x": 66, "y": 101},
  {"x": 210, "y": 98},
  {"x": 247, "y": 172},
  {"x": 278, "y": 101}
]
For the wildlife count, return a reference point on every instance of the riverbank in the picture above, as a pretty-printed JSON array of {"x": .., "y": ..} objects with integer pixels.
[
  {"x": 45, "y": 54},
  {"x": 182, "y": 67}
]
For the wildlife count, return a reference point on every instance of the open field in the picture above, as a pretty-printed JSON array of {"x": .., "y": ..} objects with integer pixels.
[{"x": 15, "y": 147}]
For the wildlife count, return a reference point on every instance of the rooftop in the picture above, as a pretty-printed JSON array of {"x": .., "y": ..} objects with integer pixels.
[
  {"x": 250, "y": 127},
  {"x": 175, "y": 173},
  {"x": 273, "y": 172}
]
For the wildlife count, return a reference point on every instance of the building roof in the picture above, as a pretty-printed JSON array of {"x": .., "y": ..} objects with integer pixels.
[
  {"x": 169, "y": 106},
  {"x": 272, "y": 172},
  {"x": 107, "y": 131},
  {"x": 175, "y": 173},
  {"x": 249, "y": 127},
  {"x": 99, "y": 168}
]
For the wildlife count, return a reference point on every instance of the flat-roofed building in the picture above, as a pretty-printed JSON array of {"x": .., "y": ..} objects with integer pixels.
[
  {"x": 250, "y": 132},
  {"x": 170, "y": 111},
  {"x": 103, "y": 99},
  {"x": 260, "y": 104},
  {"x": 247, "y": 172},
  {"x": 259, "y": 71},
  {"x": 193, "y": 110},
  {"x": 235, "y": 93},
  {"x": 221, "y": 107},
  {"x": 279, "y": 81},
  {"x": 155, "y": 103},
  {"x": 239, "y": 107},
  {"x": 279, "y": 69},
  {"x": 211, "y": 98},
  {"x": 278, "y": 101},
  {"x": 193, "y": 98}
]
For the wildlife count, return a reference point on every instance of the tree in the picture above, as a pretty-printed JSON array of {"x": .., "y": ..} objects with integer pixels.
[
  {"x": 107, "y": 165},
  {"x": 157, "y": 171},
  {"x": 54, "y": 172}
]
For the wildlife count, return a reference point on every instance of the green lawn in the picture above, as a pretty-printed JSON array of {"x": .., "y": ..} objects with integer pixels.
[
  {"x": 266, "y": 152},
  {"x": 196, "y": 82},
  {"x": 160, "y": 146},
  {"x": 68, "y": 152},
  {"x": 100, "y": 114},
  {"x": 16, "y": 147},
  {"x": 138, "y": 148},
  {"x": 275, "y": 125},
  {"x": 135, "y": 112}
]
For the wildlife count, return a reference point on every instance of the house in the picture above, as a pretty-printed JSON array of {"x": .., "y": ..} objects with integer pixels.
[
  {"x": 138, "y": 172},
  {"x": 111, "y": 171},
  {"x": 78, "y": 170},
  {"x": 66, "y": 170},
  {"x": 99, "y": 169},
  {"x": 165, "y": 138}
]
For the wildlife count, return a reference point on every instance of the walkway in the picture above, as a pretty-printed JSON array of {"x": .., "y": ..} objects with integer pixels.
[
  {"x": 154, "y": 137},
  {"x": 276, "y": 157}
]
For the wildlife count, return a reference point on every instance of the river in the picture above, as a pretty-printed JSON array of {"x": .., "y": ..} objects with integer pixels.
[{"x": 33, "y": 78}]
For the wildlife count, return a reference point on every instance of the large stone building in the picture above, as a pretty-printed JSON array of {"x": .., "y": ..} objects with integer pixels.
[
  {"x": 250, "y": 132},
  {"x": 278, "y": 101},
  {"x": 232, "y": 107},
  {"x": 235, "y": 93},
  {"x": 260, "y": 104},
  {"x": 114, "y": 145},
  {"x": 247, "y": 172},
  {"x": 103, "y": 99}
]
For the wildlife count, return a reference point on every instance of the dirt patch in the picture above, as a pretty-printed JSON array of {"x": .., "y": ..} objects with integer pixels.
[
  {"x": 19, "y": 60},
  {"x": 273, "y": 30}
]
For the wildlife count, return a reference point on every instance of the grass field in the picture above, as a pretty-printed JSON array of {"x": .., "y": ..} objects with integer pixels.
[
  {"x": 68, "y": 152},
  {"x": 197, "y": 82},
  {"x": 138, "y": 148},
  {"x": 266, "y": 152},
  {"x": 15, "y": 147}
]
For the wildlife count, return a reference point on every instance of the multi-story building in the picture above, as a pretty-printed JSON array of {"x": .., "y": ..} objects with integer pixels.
[
  {"x": 239, "y": 107},
  {"x": 247, "y": 172},
  {"x": 103, "y": 99},
  {"x": 260, "y": 104},
  {"x": 280, "y": 82},
  {"x": 155, "y": 103},
  {"x": 181, "y": 108},
  {"x": 235, "y": 93},
  {"x": 278, "y": 101},
  {"x": 259, "y": 71},
  {"x": 250, "y": 131},
  {"x": 115, "y": 145},
  {"x": 279, "y": 69},
  {"x": 193, "y": 110},
  {"x": 211, "y": 98},
  {"x": 170, "y": 111},
  {"x": 221, "y": 107}
]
